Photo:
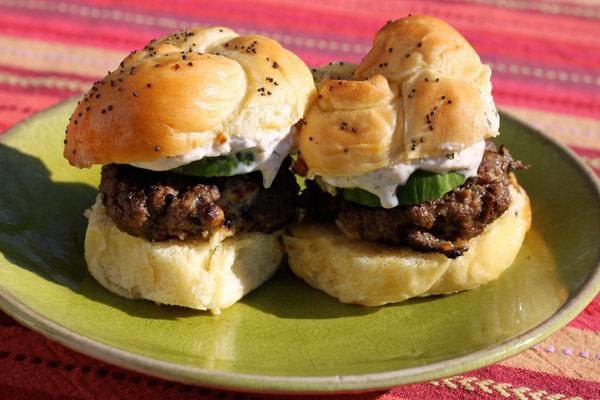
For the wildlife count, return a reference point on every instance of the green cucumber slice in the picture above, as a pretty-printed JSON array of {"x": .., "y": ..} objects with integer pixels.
[
  {"x": 424, "y": 186},
  {"x": 421, "y": 186},
  {"x": 216, "y": 166},
  {"x": 361, "y": 196}
]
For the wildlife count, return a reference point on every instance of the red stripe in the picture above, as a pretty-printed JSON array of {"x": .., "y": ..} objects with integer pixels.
[
  {"x": 587, "y": 152},
  {"x": 486, "y": 41},
  {"x": 11, "y": 114},
  {"x": 325, "y": 17},
  {"x": 29, "y": 98},
  {"x": 138, "y": 39},
  {"x": 25, "y": 103},
  {"x": 50, "y": 74},
  {"x": 328, "y": 22},
  {"x": 563, "y": 8},
  {"x": 502, "y": 35},
  {"x": 74, "y": 31},
  {"x": 112, "y": 38},
  {"x": 27, "y": 359},
  {"x": 35, "y": 101},
  {"x": 475, "y": 30},
  {"x": 36, "y": 90},
  {"x": 546, "y": 97},
  {"x": 589, "y": 318},
  {"x": 323, "y": 56},
  {"x": 506, "y": 91},
  {"x": 110, "y": 33},
  {"x": 549, "y": 54},
  {"x": 4, "y": 127}
]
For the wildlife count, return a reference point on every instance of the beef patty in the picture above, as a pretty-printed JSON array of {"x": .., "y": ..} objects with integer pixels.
[
  {"x": 443, "y": 225},
  {"x": 164, "y": 205}
]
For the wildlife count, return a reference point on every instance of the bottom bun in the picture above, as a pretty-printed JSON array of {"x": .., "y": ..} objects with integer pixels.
[
  {"x": 205, "y": 275},
  {"x": 373, "y": 274}
]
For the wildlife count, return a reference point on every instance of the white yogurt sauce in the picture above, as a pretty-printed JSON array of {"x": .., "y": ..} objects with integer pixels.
[
  {"x": 269, "y": 151},
  {"x": 384, "y": 181}
]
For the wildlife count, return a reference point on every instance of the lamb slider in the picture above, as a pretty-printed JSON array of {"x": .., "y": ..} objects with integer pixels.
[
  {"x": 193, "y": 132},
  {"x": 406, "y": 194}
]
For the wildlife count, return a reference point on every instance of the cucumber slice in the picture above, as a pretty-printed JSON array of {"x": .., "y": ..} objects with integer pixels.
[
  {"x": 421, "y": 186},
  {"x": 361, "y": 196},
  {"x": 216, "y": 166},
  {"x": 424, "y": 186}
]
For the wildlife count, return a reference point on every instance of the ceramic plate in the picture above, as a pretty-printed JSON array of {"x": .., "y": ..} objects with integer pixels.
[{"x": 286, "y": 336}]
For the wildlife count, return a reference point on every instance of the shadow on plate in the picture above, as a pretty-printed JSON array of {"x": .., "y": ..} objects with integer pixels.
[
  {"x": 42, "y": 230},
  {"x": 297, "y": 300}
]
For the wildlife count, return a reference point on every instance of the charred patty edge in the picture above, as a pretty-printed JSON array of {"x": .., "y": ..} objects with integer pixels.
[
  {"x": 443, "y": 225},
  {"x": 160, "y": 206}
]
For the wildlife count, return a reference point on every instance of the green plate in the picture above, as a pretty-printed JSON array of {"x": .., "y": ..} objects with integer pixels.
[{"x": 285, "y": 336}]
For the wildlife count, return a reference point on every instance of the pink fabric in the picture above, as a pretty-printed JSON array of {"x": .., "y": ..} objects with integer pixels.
[{"x": 545, "y": 56}]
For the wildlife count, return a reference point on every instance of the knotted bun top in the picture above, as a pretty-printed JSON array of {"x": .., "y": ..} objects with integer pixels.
[
  {"x": 421, "y": 91},
  {"x": 186, "y": 90}
]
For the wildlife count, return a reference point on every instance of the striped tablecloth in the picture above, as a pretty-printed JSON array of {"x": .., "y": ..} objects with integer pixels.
[{"x": 546, "y": 61}]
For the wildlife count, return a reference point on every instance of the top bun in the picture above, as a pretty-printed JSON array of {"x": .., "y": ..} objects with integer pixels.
[
  {"x": 185, "y": 90},
  {"x": 421, "y": 91}
]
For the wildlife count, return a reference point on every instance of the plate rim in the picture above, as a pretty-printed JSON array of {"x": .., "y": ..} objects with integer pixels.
[{"x": 282, "y": 384}]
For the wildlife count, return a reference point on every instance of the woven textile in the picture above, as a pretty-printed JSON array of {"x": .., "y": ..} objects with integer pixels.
[{"x": 545, "y": 57}]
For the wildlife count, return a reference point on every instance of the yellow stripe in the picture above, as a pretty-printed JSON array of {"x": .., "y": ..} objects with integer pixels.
[
  {"x": 43, "y": 56},
  {"x": 576, "y": 131},
  {"x": 48, "y": 82},
  {"x": 570, "y": 352}
]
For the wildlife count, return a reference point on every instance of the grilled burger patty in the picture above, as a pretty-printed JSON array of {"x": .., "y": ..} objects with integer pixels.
[
  {"x": 164, "y": 205},
  {"x": 443, "y": 225}
]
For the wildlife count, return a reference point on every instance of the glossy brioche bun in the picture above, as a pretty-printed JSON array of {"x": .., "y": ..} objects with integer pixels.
[
  {"x": 200, "y": 274},
  {"x": 373, "y": 274},
  {"x": 437, "y": 100},
  {"x": 191, "y": 88},
  {"x": 341, "y": 136}
]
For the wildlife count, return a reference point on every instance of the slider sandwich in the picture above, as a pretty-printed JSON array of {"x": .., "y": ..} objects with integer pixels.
[
  {"x": 193, "y": 133},
  {"x": 406, "y": 195}
]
